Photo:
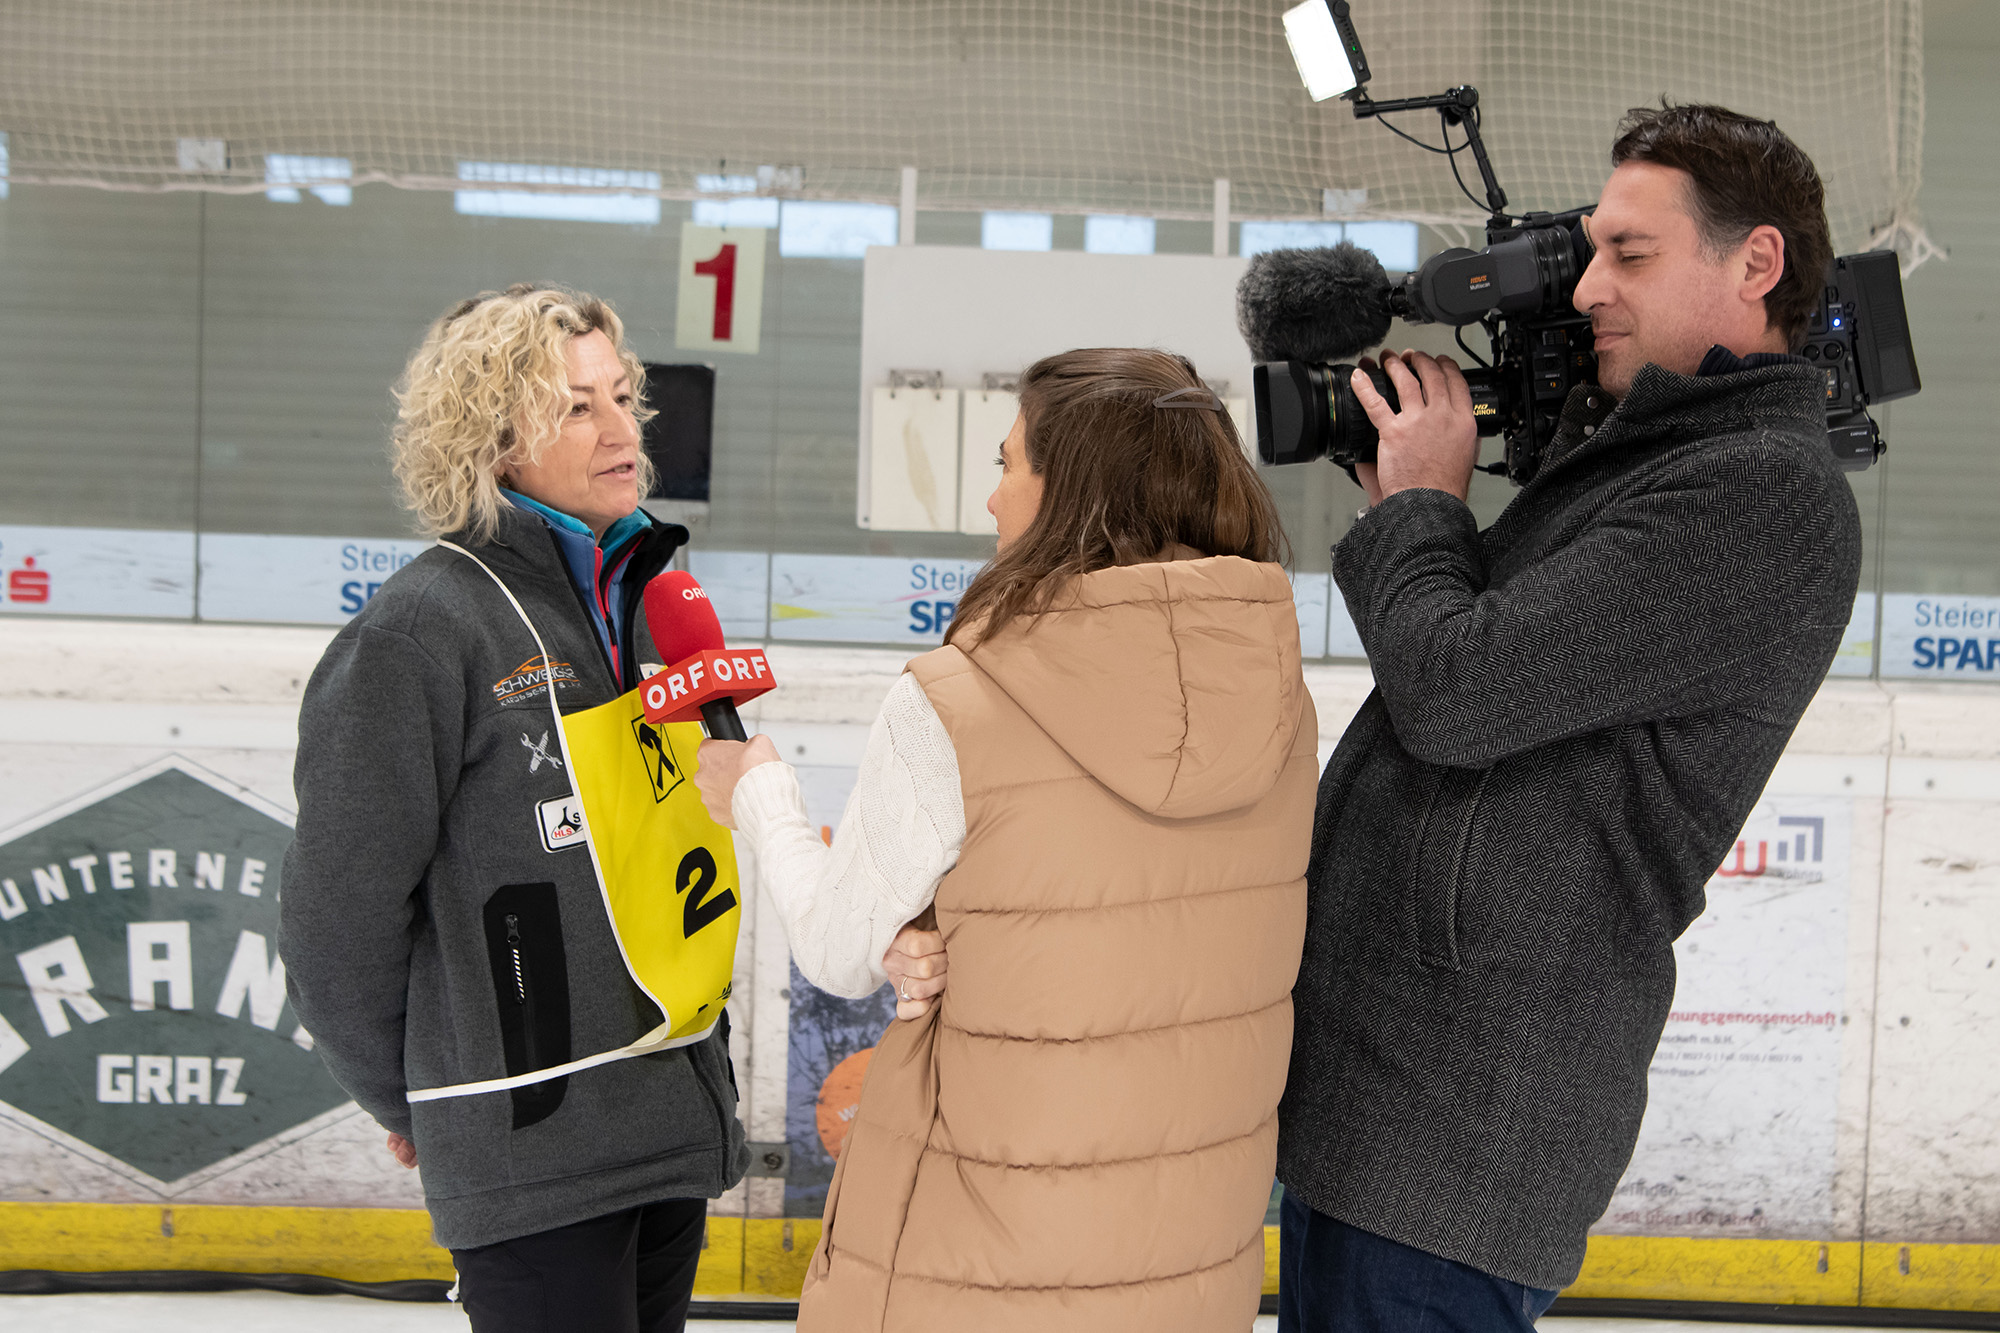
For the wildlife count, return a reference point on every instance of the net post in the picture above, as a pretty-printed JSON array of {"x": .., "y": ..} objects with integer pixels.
[
  {"x": 1221, "y": 215},
  {"x": 906, "y": 216}
]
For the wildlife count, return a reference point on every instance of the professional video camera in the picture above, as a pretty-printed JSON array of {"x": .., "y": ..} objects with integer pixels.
[{"x": 1308, "y": 314}]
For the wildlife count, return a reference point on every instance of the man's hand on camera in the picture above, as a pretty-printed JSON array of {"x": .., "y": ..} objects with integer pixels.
[{"x": 1433, "y": 442}]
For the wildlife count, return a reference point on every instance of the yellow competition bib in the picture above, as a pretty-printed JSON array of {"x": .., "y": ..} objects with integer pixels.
[{"x": 666, "y": 871}]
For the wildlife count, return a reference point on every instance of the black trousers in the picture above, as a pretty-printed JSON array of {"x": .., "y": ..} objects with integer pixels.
[{"x": 627, "y": 1272}]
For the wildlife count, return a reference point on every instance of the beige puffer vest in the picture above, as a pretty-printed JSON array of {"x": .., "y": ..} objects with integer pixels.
[{"x": 1082, "y": 1135}]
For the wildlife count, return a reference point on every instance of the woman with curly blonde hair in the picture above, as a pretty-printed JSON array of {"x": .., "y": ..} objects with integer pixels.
[{"x": 445, "y": 940}]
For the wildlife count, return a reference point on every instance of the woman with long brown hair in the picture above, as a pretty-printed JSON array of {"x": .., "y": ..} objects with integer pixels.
[{"x": 1102, "y": 786}]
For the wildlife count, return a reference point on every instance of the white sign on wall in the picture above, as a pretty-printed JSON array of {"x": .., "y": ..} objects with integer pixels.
[
  {"x": 296, "y": 580},
  {"x": 913, "y": 452},
  {"x": 721, "y": 306},
  {"x": 1739, "y": 1130},
  {"x": 989, "y": 416},
  {"x": 96, "y": 572},
  {"x": 1927, "y": 636}
]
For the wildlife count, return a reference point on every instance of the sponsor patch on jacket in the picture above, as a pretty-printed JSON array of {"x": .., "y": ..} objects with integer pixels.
[
  {"x": 561, "y": 821},
  {"x": 530, "y": 680}
]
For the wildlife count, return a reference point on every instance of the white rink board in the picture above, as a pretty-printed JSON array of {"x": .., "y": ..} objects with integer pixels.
[
  {"x": 1742, "y": 1118},
  {"x": 1751, "y": 1147}
]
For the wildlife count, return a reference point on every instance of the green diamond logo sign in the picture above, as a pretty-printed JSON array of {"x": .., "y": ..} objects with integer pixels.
[{"x": 142, "y": 1000}]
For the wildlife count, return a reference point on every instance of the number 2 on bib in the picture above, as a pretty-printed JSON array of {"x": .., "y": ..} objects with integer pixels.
[{"x": 696, "y": 877}]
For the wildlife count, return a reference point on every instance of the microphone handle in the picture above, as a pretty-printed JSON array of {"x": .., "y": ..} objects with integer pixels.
[{"x": 719, "y": 717}]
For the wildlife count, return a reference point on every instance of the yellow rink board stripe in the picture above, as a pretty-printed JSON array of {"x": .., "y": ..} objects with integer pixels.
[
  {"x": 775, "y": 1254},
  {"x": 352, "y": 1244},
  {"x": 355, "y": 1244},
  {"x": 1776, "y": 1272},
  {"x": 767, "y": 1257},
  {"x": 1931, "y": 1277}
]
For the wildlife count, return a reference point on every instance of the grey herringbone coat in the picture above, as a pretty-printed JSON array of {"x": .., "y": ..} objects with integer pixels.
[{"x": 1575, "y": 711}]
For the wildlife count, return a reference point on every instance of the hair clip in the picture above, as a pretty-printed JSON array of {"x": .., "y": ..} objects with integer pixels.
[{"x": 1204, "y": 399}]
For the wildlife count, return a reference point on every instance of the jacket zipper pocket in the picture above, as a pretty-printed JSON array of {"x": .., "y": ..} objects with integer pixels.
[
  {"x": 523, "y": 996},
  {"x": 524, "y": 951}
]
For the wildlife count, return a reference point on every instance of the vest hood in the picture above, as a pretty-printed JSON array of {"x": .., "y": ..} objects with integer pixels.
[{"x": 1175, "y": 684}]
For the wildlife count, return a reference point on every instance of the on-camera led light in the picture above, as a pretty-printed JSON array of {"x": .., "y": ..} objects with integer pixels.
[{"x": 1317, "y": 50}]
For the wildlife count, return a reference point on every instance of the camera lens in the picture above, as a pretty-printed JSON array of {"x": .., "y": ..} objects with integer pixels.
[
  {"x": 1307, "y": 410},
  {"x": 1291, "y": 411}
]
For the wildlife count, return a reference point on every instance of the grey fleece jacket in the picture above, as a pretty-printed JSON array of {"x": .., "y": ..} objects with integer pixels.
[
  {"x": 418, "y": 872},
  {"x": 1575, "y": 711}
]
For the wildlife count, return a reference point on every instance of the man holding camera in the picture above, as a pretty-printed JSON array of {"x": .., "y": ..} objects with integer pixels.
[{"x": 1575, "y": 711}]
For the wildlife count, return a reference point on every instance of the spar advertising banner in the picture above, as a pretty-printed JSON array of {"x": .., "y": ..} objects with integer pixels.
[
  {"x": 1740, "y": 1122},
  {"x": 890, "y": 599},
  {"x": 1940, "y": 636},
  {"x": 866, "y": 599},
  {"x": 296, "y": 580},
  {"x": 146, "y": 1028},
  {"x": 96, "y": 572},
  {"x": 862, "y": 599}
]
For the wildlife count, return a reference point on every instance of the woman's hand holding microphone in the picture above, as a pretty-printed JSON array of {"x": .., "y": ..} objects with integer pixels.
[{"x": 720, "y": 765}]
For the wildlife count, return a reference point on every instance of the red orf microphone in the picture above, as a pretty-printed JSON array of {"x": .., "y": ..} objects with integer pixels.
[{"x": 706, "y": 680}]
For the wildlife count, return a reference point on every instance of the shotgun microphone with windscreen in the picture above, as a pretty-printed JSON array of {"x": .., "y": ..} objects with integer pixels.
[{"x": 705, "y": 679}]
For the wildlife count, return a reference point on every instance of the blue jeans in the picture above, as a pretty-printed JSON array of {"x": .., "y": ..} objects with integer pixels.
[{"x": 1335, "y": 1278}]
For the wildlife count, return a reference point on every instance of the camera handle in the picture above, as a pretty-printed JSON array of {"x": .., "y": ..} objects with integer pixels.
[{"x": 1460, "y": 107}]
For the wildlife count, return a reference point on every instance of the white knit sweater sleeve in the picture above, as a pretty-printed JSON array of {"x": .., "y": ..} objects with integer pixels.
[{"x": 901, "y": 832}]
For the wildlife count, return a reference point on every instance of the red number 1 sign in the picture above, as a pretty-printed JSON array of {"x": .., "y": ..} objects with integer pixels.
[
  {"x": 721, "y": 288},
  {"x": 723, "y": 269}
]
